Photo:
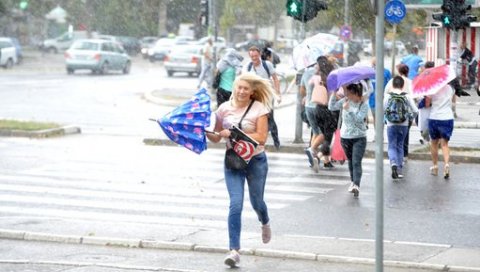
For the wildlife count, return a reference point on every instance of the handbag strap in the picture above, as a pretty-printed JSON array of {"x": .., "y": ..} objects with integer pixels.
[{"x": 245, "y": 113}]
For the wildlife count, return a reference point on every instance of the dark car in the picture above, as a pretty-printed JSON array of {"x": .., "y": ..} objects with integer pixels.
[
  {"x": 146, "y": 43},
  {"x": 130, "y": 44}
]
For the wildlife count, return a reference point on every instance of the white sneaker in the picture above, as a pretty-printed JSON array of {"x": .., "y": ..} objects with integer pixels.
[
  {"x": 266, "y": 233},
  {"x": 315, "y": 166},
  {"x": 355, "y": 190},
  {"x": 350, "y": 188},
  {"x": 232, "y": 259}
]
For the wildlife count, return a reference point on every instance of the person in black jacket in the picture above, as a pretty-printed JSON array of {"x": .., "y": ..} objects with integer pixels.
[{"x": 467, "y": 57}]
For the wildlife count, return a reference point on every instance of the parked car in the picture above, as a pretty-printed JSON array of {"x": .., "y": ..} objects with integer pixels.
[
  {"x": 130, "y": 44},
  {"x": 145, "y": 44},
  {"x": 62, "y": 42},
  {"x": 163, "y": 47},
  {"x": 18, "y": 49},
  {"x": 8, "y": 53},
  {"x": 285, "y": 45},
  {"x": 97, "y": 55},
  {"x": 184, "y": 58}
]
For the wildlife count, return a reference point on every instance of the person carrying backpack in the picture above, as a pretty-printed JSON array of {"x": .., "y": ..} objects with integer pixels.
[
  {"x": 265, "y": 69},
  {"x": 399, "y": 106}
]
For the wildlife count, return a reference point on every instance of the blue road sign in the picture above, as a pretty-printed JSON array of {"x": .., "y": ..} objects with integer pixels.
[{"x": 395, "y": 11}]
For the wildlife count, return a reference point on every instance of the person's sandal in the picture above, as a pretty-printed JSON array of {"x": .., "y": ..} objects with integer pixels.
[
  {"x": 446, "y": 171},
  {"x": 434, "y": 170}
]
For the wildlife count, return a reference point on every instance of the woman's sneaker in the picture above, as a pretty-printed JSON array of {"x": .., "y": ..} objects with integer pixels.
[
  {"x": 355, "y": 190},
  {"x": 266, "y": 233},
  {"x": 350, "y": 188},
  {"x": 232, "y": 259}
]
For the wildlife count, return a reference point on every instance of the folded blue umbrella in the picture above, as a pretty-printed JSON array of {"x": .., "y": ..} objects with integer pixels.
[
  {"x": 186, "y": 124},
  {"x": 351, "y": 74}
]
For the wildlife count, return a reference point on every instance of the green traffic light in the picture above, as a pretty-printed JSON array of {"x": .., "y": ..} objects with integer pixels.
[
  {"x": 293, "y": 8},
  {"x": 23, "y": 4},
  {"x": 446, "y": 21}
]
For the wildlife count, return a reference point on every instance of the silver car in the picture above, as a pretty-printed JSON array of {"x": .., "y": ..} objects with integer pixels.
[
  {"x": 97, "y": 55},
  {"x": 184, "y": 58}
]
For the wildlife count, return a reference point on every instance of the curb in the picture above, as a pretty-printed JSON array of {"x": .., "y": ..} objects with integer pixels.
[
  {"x": 299, "y": 149},
  {"x": 165, "y": 245},
  {"x": 46, "y": 133}
]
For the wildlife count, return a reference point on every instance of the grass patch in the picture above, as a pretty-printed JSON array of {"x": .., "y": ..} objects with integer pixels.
[{"x": 26, "y": 125}]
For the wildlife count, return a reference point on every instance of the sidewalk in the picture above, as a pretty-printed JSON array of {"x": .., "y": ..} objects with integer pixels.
[{"x": 340, "y": 251}]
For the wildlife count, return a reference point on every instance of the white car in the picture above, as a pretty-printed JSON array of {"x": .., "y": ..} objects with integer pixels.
[
  {"x": 220, "y": 44},
  {"x": 8, "y": 53}
]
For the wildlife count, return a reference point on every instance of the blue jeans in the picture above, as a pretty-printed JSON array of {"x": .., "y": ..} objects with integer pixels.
[
  {"x": 354, "y": 150},
  {"x": 256, "y": 176},
  {"x": 396, "y": 137}
]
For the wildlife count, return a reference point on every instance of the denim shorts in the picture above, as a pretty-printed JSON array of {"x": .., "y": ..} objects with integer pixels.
[{"x": 440, "y": 129}]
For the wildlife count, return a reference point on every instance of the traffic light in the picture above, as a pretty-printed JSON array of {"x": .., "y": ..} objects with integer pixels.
[
  {"x": 447, "y": 15},
  {"x": 454, "y": 14},
  {"x": 23, "y": 4},
  {"x": 464, "y": 19},
  {"x": 295, "y": 9},
  {"x": 204, "y": 12}
]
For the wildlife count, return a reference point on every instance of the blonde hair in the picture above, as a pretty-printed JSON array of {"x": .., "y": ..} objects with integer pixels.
[{"x": 262, "y": 88}]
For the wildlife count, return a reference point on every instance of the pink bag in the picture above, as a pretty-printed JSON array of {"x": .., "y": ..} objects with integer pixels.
[{"x": 337, "y": 152}]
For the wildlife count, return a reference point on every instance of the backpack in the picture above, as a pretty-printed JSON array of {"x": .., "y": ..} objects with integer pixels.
[
  {"x": 264, "y": 64},
  {"x": 397, "y": 108}
]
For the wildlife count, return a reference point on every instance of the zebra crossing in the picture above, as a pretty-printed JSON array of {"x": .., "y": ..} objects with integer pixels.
[{"x": 196, "y": 198}]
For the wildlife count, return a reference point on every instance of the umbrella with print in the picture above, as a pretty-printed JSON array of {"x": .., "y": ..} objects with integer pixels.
[
  {"x": 306, "y": 53},
  {"x": 432, "y": 80},
  {"x": 186, "y": 124}
]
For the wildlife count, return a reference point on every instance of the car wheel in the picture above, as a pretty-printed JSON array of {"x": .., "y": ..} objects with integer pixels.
[
  {"x": 152, "y": 59},
  {"x": 9, "y": 64},
  {"x": 70, "y": 71},
  {"x": 169, "y": 73},
  {"x": 103, "y": 68},
  {"x": 126, "y": 68}
]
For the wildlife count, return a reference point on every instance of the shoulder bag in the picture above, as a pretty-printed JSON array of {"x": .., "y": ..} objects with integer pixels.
[{"x": 232, "y": 159}]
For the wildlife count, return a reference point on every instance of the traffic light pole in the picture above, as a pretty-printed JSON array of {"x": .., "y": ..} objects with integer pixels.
[
  {"x": 379, "y": 217},
  {"x": 298, "y": 119}
]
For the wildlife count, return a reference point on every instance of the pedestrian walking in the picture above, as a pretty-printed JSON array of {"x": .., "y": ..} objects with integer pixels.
[
  {"x": 207, "y": 65},
  {"x": 248, "y": 107},
  {"x": 306, "y": 91},
  {"x": 403, "y": 71},
  {"x": 467, "y": 57},
  {"x": 353, "y": 131},
  {"x": 413, "y": 61},
  {"x": 440, "y": 127},
  {"x": 265, "y": 69},
  {"x": 398, "y": 106},
  {"x": 424, "y": 111},
  {"x": 229, "y": 66},
  {"x": 322, "y": 121}
]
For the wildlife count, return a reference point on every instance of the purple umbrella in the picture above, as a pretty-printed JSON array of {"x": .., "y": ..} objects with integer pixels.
[{"x": 347, "y": 75}]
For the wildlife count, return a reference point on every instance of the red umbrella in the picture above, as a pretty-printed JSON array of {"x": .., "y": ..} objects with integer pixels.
[{"x": 431, "y": 80}]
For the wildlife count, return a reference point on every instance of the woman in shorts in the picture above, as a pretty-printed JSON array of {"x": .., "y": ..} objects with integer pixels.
[{"x": 440, "y": 126}]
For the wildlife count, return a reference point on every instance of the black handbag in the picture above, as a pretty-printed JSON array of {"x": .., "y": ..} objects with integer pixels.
[
  {"x": 232, "y": 159},
  {"x": 216, "y": 80}
]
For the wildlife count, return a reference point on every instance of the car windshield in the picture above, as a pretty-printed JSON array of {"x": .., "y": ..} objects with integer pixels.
[
  {"x": 185, "y": 50},
  {"x": 163, "y": 42},
  {"x": 85, "y": 46}
]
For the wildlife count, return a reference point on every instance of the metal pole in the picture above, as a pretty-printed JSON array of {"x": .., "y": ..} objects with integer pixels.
[
  {"x": 298, "y": 112},
  {"x": 379, "y": 26},
  {"x": 345, "y": 43},
  {"x": 394, "y": 47}
]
